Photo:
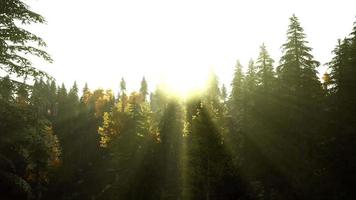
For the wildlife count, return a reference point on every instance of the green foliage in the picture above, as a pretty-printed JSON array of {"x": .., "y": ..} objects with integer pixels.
[
  {"x": 340, "y": 121},
  {"x": 122, "y": 85},
  {"x": 235, "y": 101},
  {"x": 144, "y": 89},
  {"x": 27, "y": 141},
  {"x": 223, "y": 93},
  {"x": 264, "y": 65},
  {"x": 297, "y": 70},
  {"x": 275, "y": 135},
  {"x": 170, "y": 152},
  {"x": 210, "y": 170},
  {"x": 16, "y": 42}
]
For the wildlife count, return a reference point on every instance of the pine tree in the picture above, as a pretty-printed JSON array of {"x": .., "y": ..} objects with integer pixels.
[
  {"x": 123, "y": 96},
  {"x": 129, "y": 138},
  {"x": 264, "y": 68},
  {"x": 73, "y": 100},
  {"x": 6, "y": 89},
  {"x": 86, "y": 94},
  {"x": 341, "y": 117},
  {"x": 249, "y": 91},
  {"x": 170, "y": 151},
  {"x": 236, "y": 105},
  {"x": 158, "y": 101},
  {"x": 73, "y": 93},
  {"x": 123, "y": 85},
  {"x": 237, "y": 89},
  {"x": 14, "y": 128},
  {"x": 210, "y": 170},
  {"x": 223, "y": 93},
  {"x": 31, "y": 142},
  {"x": 212, "y": 100},
  {"x": 298, "y": 115},
  {"x": 52, "y": 99},
  {"x": 143, "y": 89},
  {"x": 297, "y": 70},
  {"x": 213, "y": 91},
  {"x": 22, "y": 96},
  {"x": 251, "y": 78}
]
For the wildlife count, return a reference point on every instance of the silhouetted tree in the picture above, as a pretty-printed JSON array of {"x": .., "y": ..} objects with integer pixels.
[
  {"x": 144, "y": 89},
  {"x": 16, "y": 41}
]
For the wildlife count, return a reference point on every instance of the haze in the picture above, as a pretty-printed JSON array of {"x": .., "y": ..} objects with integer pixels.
[{"x": 176, "y": 41}]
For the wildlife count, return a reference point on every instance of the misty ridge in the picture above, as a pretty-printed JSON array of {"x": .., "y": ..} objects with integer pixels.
[{"x": 278, "y": 132}]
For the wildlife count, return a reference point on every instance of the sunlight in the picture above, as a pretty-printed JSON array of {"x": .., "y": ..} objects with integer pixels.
[
  {"x": 177, "y": 100},
  {"x": 183, "y": 82}
]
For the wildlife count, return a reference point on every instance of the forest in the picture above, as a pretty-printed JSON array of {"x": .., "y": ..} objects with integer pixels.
[{"x": 279, "y": 133}]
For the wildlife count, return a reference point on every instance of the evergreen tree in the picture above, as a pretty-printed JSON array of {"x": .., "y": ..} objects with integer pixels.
[
  {"x": 122, "y": 85},
  {"x": 235, "y": 113},
  {"x": 210, "y": 170},
  {"x": 73, "y": 93},
  {"x": 299, "y": 93},
  {"x": 250, "y": 83},
  {"x": 143, "y": 89},
  {"x": 6, "y": 89},
  {"x": 86, "y": 94},
  {"x": 27, "y": 142},
  {"x": 341, "y": 119},
  {"x": 213, "y": 91},
  {"x": 158, "y": 102},
  {"x": 130, "y": 135},
  {"x": 279, "y": 135},
  {"x": 297, "y": 70},
  {"x": 223, "y": 93},
  {"x": 123, "y": 96},
  {"x": 170, "y": 151},
  {"x": 22, "y": 95},
  {"x": 237, "y": 90},
  {"x": 264, "y": 68}
]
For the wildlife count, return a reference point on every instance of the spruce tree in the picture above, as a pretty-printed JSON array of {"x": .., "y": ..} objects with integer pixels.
[
  {"x": 299, "y": 91},
  {"x": 213, "y": 94},
  {"x": 210, "y": 170},
  {"x": 73, "y": 92},
  {"x": 251, "y": 78},
  {"x": 264, "y": 67},
  {"x": 235, "y": 113},
  {"x": 170, "y": 151},
  {"x": 237, "y": 89},
  {"x": 144, "y": 89},
  {"x": 297, "y": 71},
  {"x": 123, "y": 96},
  {"x": 341, "y": 117},
  {"x": 223, "y": 93}
]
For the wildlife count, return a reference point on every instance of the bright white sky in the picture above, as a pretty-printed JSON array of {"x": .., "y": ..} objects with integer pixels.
[{"x": 182, "y": 40}]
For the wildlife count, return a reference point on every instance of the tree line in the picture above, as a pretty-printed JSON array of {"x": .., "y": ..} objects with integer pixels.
[{"x": 280, "y": 133}]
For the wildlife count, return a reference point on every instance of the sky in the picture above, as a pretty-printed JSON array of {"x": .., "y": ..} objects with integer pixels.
[{"x": 177, "y": 42}]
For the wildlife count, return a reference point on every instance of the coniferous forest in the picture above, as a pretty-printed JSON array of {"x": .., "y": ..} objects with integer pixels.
[{"x": 280, "y": 133}]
